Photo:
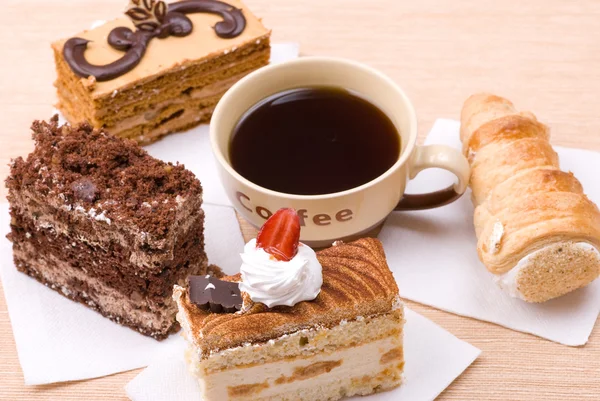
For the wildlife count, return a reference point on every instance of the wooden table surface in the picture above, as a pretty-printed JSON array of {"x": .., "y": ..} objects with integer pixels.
[{"x": 542, "y": 54}]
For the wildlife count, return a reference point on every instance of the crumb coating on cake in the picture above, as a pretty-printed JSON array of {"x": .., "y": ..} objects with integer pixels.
[{"x": 109, "y": 178}]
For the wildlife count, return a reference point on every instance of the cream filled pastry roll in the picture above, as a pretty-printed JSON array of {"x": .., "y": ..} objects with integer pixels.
[{"x": 537, "y": 231}]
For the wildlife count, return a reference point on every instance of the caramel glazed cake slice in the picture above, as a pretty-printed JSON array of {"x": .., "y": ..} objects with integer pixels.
[
  {"x": 103, "y": 223},
  {"x": 346, "y": 342},
  {"x": 176, "y": 84}
]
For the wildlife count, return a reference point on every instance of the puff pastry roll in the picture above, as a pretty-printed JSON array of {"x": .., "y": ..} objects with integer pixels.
[{"x": 536, "y": 230}]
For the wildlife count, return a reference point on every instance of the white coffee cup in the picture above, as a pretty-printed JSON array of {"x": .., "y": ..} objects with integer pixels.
[{"x": 347, "y": 214}]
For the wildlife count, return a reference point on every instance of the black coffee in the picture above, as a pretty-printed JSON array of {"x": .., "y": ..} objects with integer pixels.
[{"x": 312, "y": 141}]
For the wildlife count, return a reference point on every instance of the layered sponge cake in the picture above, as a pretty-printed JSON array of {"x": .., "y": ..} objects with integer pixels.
[
  {"x": 346, "y": 341},
  {"x": 161, "y": 70},
  {"x": 97, "y": 219}
]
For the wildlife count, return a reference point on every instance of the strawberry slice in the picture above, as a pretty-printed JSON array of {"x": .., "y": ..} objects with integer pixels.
[{"x": 280, "y": 235}]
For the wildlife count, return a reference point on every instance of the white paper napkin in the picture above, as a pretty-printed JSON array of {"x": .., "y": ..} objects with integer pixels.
[
  {"x": 60, "y": 340},
  {"x": 192, "y": 147},
  {"x": 434, "y": 358},
  {"x": 434, "y": 257}
]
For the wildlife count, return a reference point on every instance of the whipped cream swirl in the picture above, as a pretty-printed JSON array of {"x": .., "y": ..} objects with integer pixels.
[{"x": 274, "y": 282}]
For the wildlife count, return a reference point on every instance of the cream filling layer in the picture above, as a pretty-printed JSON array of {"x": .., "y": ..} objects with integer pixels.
[
  {"x": 173, "y": 125},
  {"x": 509, "y": 280},
  {"x": 206, "y": 92},
  {"x": 99, "y": 236},
  {"x": 334, "y": 369}
]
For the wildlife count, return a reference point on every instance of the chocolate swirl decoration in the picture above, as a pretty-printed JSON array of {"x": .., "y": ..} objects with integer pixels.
[{"x": 152, "y": 19}]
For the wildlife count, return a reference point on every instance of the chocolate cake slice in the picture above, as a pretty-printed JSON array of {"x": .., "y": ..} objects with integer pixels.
[{"x": 97, "y": 219}]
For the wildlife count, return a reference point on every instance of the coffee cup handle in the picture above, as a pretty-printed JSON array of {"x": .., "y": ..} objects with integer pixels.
[{"x": 439, "y": 156}]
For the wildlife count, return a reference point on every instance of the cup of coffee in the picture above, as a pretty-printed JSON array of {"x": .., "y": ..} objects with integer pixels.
[{"x": 332, "y": 138}]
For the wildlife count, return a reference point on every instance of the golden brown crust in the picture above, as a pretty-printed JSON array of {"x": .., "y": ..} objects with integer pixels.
[
  {"x": 523, "y": 201},
  {"x": 534, "y": 221},
  {"x": 497, "y": 162},
  {"x": 505, "y": 129},
  {"x": 482, "y": 108},
  {"x": 356, "y": 282}
]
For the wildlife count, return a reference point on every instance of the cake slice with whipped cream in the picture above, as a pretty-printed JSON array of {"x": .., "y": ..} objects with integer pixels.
[{"x": 295, "y": 324}]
